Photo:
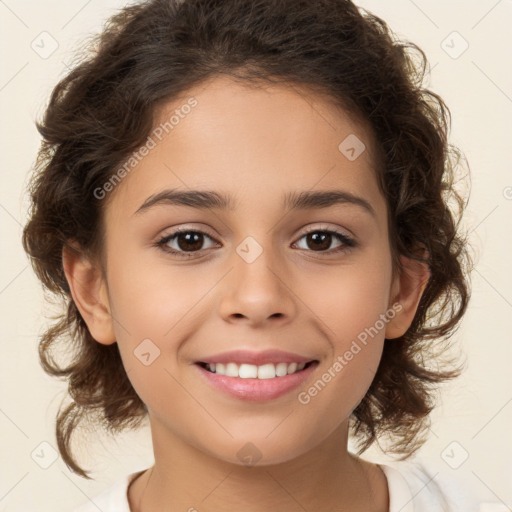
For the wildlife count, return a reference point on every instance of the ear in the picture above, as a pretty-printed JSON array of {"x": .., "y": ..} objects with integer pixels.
[
  {"x": 406, "y": 292},
  {"x": 89, "y": 292}
]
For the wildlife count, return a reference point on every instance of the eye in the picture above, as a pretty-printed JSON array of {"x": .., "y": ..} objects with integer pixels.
[
  {"x": 321, "y": 239},
  {"x": 185, "y": 240}
]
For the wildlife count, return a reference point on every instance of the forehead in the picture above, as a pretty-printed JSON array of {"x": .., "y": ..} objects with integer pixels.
[{"x": 253, "y": 142}]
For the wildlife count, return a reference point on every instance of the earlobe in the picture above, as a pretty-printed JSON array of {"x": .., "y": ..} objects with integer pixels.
[
  {"x": 89, "y": 292},
  {"x": 406, "y": 292}
]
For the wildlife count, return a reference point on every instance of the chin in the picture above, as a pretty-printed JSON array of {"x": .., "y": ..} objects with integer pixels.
[{"x": 259, "y": 451}]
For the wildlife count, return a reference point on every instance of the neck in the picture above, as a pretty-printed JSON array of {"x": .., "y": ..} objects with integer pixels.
[{"x": 327, "y": 478}]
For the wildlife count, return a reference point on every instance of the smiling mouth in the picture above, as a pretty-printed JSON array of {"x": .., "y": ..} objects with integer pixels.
[{"x": 251, "y": 371}]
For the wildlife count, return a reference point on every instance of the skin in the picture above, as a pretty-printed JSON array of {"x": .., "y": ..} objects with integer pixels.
[{"x": 254, "y": 144}]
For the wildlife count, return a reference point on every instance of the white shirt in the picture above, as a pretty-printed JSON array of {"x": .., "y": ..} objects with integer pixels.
[{"x": 412, "y": 488}]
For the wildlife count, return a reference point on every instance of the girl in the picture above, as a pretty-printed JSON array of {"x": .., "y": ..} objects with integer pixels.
[{"x": 245, "y": 206}]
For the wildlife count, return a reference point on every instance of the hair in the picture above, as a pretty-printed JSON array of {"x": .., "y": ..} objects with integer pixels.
[{"x": 150, "y": 53}]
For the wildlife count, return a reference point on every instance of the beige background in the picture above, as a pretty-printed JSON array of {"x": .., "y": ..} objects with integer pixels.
[{"x": 475, "y": 414}]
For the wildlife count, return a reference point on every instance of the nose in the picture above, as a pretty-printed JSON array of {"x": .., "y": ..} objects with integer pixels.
[{"x": 257, "y": 288}]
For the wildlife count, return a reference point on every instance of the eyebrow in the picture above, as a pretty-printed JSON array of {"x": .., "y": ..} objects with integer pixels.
[{"x": 210, "y": 200}]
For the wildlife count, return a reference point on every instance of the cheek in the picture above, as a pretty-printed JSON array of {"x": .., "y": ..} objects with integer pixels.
[
  {"x": 354, "y": 311},
  {"x": 351, "y": 299},
  {"x": 154, "y": 310},
  {"x": 152, "y": 299}
]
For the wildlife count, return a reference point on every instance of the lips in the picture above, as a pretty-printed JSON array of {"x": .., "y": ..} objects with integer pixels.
[
  {"x": 256, "y": 389},
  {"x": 256, "y": 376}
]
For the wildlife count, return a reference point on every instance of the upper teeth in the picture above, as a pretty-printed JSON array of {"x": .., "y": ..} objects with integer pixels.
[{"x": 251, "y": 371}]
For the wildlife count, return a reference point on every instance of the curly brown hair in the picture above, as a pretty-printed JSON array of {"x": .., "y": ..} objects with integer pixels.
[{"x": 148, "y": 54}]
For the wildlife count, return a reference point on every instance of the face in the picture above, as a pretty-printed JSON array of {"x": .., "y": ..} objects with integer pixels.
[{"x": 259, "y": 274}]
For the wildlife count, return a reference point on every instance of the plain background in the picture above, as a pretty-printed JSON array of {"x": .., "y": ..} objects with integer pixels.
[{"x": 471, "y": 431}]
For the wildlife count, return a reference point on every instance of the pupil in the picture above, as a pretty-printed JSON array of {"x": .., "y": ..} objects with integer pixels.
[
  {"x": 194, "y": 237},
  {"x": 324, "y": 236}
]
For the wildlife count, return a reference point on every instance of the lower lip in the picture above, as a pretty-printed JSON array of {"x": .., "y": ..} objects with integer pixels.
[{"x": 257, "y": 390}]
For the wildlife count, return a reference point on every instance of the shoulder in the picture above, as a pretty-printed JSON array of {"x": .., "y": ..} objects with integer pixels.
[
  {"x": 417, "y": 487},
  {"x": 112, "y": 499}
]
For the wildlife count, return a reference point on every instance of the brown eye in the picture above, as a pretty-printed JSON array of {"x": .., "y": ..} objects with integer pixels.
[
  {"x": 320, "y": 240},
  {"x": 183, "y": 241},
  {"x": 189, "y": 241}
]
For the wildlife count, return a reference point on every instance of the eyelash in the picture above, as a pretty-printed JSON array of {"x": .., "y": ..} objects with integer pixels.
[{"x": 347, "y": 242}]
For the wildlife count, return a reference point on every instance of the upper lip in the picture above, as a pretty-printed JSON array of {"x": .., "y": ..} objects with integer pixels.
[{"x": 256, "y": 358}]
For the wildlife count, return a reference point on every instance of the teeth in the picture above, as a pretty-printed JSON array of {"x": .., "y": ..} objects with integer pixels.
[
  {"x": 267, "y": 371},
  {"x": 281, "y": 369},
  {"x": 251, "y": 371},
  {"x": 246, "y": 371},
  {"x": 231, "y": 370}
]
